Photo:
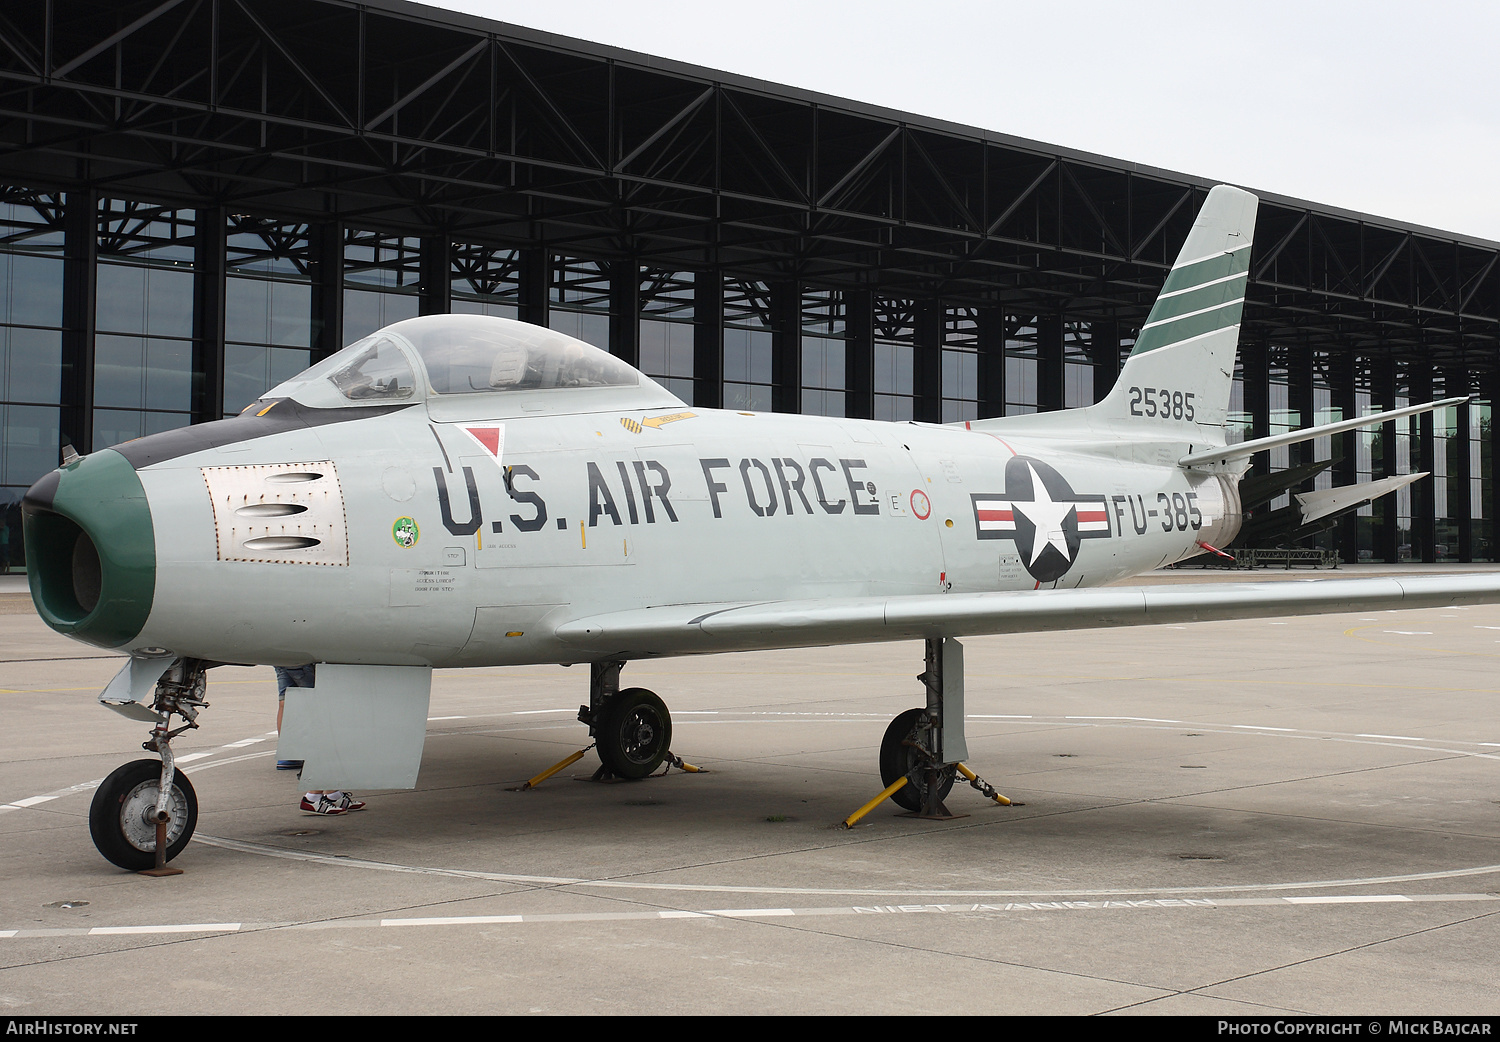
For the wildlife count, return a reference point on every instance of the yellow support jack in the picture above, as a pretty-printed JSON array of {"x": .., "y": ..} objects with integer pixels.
[
  {"x": 889, "y": 791},
  {"x": 567, "y": 761},
  {"x": 973, "y": 779},
  {"x": 976, "y": 782}
]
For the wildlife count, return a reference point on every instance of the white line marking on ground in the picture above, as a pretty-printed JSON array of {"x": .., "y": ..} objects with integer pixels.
[
  {"x": 718, "y": 888},
  {"x": 1131, "y": 719},
  {"x": 946, "y": 908},
  {"x": 452, "y": 920},
  {"x": 100, "y": 931}
]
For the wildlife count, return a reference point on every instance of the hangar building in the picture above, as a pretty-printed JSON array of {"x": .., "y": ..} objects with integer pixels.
[{"x": 198, "y": 198}]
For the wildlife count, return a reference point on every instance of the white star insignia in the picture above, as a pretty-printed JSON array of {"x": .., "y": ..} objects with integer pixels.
[{"x": 1047, "y": 516}]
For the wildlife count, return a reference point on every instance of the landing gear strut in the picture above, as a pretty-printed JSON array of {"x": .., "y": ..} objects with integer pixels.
[
  {"x": 923, "y": 749},
  {"x": 143, "y": 814}
]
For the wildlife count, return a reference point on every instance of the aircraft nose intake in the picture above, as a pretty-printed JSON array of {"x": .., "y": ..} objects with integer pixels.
[{"x": 91, "y": 550}]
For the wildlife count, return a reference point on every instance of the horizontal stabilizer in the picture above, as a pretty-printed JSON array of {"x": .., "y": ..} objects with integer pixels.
[
  {"x": 706, "y": 628},
  {"x": 1258, "y": 489},
  {"x": 1246, "y": 449},
  {"x": 1328, "y": 502}
]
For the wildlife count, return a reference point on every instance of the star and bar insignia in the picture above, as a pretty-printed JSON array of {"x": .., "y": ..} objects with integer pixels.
[{"x": 1045, "y": 518}]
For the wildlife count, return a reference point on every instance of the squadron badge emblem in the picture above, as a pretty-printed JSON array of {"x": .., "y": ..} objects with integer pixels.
[
  {"x": 1045, "y": 518},
  {"x": 405, "y": 532}
]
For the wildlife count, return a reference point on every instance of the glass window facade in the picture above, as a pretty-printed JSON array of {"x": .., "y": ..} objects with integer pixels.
[
  {"x": 1238, "y": 424},
  {"x": 748, "y": 345},
  {"x": 1021, "y": 367},
  {"x": 578, "y": 302},
  {"x": 1481, "y": 487},
  {"x": 382, "y": 274},
  {"x": 485, "y": 280},
  {"x": 895, "y": 359},
  {"x": 960, "y": 365},
  {"x": 824, "y": 353},
  {"x": 143, "y": 320},
  {"x": 1078, "y": 365},
  {"x": 267, "y": 307},
  {"x": 1282, "y": 418},
  {"x": 666, "y": 329},
  {"x": 31, "y": 319}
]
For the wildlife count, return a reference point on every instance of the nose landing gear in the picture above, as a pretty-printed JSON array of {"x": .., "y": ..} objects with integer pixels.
[{"x": 144, "y": 813}]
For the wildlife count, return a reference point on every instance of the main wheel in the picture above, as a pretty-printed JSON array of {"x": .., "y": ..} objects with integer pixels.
[
  {"x": 120, "y": 818},
  {"x": 897, "y": 759},
  {"x": 634, "y": 733}
]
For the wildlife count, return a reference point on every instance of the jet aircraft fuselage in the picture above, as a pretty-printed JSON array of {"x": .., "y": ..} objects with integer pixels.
[{"x": 466, "y": 542}]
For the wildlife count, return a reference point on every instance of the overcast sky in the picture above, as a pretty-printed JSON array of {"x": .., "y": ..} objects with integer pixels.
[{"x": 1382, "y": 107}]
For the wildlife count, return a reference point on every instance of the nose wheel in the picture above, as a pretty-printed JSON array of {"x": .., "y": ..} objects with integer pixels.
[{"x": 123, "y": 821}]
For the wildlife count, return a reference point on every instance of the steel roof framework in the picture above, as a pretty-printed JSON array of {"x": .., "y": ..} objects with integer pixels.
[{"x": 401, "y": 117}]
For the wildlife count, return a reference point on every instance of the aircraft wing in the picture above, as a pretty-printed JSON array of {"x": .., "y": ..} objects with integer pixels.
[{"x": 703, "y": 628}]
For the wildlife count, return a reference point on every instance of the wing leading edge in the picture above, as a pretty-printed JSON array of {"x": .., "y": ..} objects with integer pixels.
[{"x": 704, "y": 628}]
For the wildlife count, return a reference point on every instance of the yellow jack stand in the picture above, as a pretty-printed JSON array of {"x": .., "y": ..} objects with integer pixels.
[
  {"x": 566, "y": 761},
  {"x": 974, "y": 781}
]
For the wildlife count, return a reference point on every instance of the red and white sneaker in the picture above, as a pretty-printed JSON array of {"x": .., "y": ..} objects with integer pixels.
[
  {"x": 323, "y": 805},
  {"x": 346, "y": 801}
]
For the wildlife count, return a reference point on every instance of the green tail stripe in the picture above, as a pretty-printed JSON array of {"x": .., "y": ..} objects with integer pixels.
[
  {"x": 1169, "y": 333},
  {"x": 1185, "y": 276},
  {"x": 1198, "y": 299}
]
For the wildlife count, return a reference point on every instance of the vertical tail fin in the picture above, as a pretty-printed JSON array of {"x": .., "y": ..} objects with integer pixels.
[{"x": 1178, "y": 378}]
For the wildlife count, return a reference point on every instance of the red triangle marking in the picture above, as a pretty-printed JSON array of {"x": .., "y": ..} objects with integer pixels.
[{"x": 489, "y": 437}]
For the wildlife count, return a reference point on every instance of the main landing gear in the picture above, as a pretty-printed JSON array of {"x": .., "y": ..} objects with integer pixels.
[
  {"x": 923, "y": 749},
  {"x": 145, "y": 812},
  {"x": 632, "y": 730}
]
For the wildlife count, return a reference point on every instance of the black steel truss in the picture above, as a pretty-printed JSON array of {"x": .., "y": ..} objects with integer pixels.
[{"x": 391, "y": 116}]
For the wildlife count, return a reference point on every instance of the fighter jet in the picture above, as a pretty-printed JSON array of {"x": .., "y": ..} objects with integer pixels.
[{"x": 463, "y": 490}]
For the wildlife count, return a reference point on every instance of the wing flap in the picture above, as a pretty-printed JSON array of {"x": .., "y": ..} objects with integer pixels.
[{"x": 707, "y": 628}]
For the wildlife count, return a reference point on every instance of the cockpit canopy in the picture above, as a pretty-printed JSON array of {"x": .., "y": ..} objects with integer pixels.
[{"x": 443, "y": 355}]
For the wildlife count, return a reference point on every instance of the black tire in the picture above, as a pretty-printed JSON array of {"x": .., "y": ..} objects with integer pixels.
[
  {"x": 634, "y": 733},
  {"x": 897, "y": 759},
  {"x": 117, "y": 819}
]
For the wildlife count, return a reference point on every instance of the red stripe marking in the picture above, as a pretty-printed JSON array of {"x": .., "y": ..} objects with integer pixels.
[{"x": 996, "y": 515}]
